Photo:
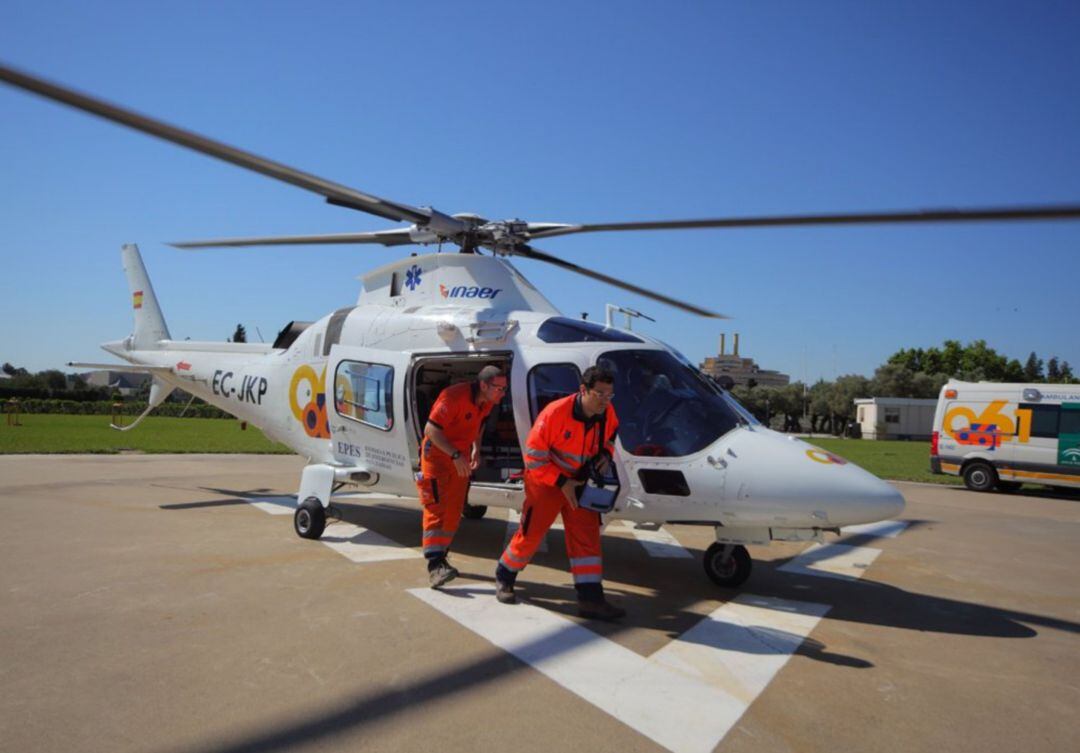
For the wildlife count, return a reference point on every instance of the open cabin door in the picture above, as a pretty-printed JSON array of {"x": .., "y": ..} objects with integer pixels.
[
  {"x": 368, "y": 426},
  {"x": 497, "y": 481}
]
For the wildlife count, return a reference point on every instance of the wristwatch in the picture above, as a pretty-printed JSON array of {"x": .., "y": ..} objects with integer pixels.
[{"x": 456, "y": 455}]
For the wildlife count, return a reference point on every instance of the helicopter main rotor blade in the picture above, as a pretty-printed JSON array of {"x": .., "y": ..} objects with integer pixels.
[
  {"x": 989, "y": 214},
  {"x": 397, "y": 237},
  {"x": 533, "y": 253},
  {"x": 334, "y": 192}
]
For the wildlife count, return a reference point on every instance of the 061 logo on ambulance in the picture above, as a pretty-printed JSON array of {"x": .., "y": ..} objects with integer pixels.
[{"x": 989, "y": 428}]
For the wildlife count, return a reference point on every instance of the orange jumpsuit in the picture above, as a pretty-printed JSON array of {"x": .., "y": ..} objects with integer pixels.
[
  {"x": 561, "y": 441},
  {"x": 442, "y": 490}
]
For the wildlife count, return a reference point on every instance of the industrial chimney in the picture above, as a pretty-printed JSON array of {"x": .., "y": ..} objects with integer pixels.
[
  {"x": 721, "y": 343},
  {"x": 736, "y": 352}
]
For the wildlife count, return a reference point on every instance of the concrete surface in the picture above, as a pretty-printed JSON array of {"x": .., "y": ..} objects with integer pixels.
[{"x": 145, "y": 605}]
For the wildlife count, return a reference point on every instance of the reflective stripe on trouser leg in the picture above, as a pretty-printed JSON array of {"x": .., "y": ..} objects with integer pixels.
[
  {"x": 583, "y": 544},
  {"x": 542, "y": 504},
  {"x": 442, "y": 496}
]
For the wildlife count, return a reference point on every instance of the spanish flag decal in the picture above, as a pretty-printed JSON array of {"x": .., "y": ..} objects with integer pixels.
[{"x": 136, "y": 298}]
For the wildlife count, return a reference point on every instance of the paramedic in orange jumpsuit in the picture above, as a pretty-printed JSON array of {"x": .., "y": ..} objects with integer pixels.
[
  {"x": 449, "y": 453},
  {"x": 564, "y": 439}
]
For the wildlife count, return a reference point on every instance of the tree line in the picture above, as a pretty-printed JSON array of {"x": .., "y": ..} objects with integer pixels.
[{"x": 827, "y": 407}]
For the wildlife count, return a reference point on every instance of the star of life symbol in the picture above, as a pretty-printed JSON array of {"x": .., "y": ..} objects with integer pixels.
[{"x": 412, "y": 277}]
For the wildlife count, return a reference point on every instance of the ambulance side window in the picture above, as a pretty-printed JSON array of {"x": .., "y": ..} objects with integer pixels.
[
  {"x": 550, "y": 381},
  {"x": 363, "y": 392},
  {"x": 1070, "y": 421},
  {"x": 1044, "y": 420}
]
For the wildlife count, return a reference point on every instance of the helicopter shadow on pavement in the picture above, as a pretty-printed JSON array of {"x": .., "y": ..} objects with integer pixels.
[
  {"x": 232, "y": 497},
  {"x": 675, "y": 584}
]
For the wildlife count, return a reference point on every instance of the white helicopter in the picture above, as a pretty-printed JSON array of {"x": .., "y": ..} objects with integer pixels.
[{"x": 352, "y": 391}]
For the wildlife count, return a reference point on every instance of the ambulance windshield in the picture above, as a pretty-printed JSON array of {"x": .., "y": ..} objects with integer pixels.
[{"x": 665, "y": 407}]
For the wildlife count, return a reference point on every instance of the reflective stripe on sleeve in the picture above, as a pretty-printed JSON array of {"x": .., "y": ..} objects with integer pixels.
[
  {"x": 587, "y": 578},
  {"x": 569, "y": 457}
]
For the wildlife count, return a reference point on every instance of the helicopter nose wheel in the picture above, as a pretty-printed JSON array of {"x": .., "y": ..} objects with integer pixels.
[
  {"x": 309, "y": 520},
  {"x": 474, "y": 512},
  {"x": 727, "y": 565}
]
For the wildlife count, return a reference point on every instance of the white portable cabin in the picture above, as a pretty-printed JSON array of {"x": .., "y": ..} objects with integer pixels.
[{"x": 895, "y": 417}]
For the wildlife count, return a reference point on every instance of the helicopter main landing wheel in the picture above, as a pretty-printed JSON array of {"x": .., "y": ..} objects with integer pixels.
[
  {"x": 727, "y": 565},
  {"x": 309, "y": 520},
  {"x": 474, "y": 512}
]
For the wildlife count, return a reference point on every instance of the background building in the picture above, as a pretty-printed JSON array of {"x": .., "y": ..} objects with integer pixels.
[
  {"x": 895, "y": 417},
  {"x": 741, "y": 370},
  {"x": 118, "y": 381}
]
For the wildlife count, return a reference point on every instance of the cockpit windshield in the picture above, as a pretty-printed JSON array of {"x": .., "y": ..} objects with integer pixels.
[{"x": 665, "y": 407}]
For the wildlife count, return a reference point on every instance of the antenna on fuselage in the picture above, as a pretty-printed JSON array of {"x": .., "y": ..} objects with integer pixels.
[{"x": 611, "y": 308}]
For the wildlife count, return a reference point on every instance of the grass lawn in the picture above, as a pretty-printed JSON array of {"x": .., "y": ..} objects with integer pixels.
[
  {"x": 48, "y": 433},
  {"x": 899, "y": 461}
]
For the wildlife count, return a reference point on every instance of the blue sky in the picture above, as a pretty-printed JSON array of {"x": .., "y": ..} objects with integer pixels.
[{"x": 561, "y": 112}]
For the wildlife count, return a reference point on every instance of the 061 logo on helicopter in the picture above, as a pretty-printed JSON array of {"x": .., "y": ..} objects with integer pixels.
[{"x": 307, "y": 401}]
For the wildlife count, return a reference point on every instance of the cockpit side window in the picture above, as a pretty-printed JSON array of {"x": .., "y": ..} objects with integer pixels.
[
  {"x": 559, "y": 329},
  {"x": 550, "y": 381},
  {"x": 665, "y": 407}
]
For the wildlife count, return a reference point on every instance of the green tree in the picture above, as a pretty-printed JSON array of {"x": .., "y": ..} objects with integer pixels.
[
  {"x": 893, "y": 380},
  {"x": 240, "y": 335},
  {"x": 753, "y": 400},
  {"x": 928, "y": 385},
  {"x": 53, "y": 379},
  {"x": 789, "y": 402},
  {"x": 1053, "y": 371},
  {"x": 820, "y": 415},
  {"x": 1033, "y": 369},
  {"x": 1067, "y": 373}
]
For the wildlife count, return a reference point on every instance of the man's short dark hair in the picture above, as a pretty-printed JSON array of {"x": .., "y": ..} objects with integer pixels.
[
  {"x": 488, "y": 373},
  {"x": 595, "y": 374}
]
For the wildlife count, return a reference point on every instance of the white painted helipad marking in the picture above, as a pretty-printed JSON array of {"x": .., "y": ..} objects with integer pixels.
[
  {"x": 351, "y": 541},
  {"x": 658, "y": 542},
  {"x": 364, "y": 496},
  {"x": 686, "y": 697},
  {"x": 274, "y": 505},
  {"x": 833, "y": 561},
  {"x": 886, "y": 529},
  {"x": 364, "y": 545}
]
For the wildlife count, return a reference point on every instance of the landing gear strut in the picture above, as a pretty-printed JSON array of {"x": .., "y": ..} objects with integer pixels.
[{"x": 727, "y": 565}]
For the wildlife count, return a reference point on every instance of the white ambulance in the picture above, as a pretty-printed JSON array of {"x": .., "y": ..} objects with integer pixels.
[{"x": 1003, "y": 435}]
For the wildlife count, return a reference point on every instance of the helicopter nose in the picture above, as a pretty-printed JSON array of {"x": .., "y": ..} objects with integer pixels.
[{"x": 784, "y": 476}]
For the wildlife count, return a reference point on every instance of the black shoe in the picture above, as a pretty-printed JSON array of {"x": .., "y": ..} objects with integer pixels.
[
  {"x": 504, "y": 592},
  {"x": 441, "y": 574},
  {"x": 599, "y": 610}
]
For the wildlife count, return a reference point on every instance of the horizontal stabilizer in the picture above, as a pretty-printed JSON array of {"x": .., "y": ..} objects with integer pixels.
[{"x": 123, "y": 367}]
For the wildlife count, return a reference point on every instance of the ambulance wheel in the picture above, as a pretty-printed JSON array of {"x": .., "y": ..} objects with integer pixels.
[
  {"x": 980, "y": 477},
  {"x": 730, "y": 573},
  {"x": 474, "y": 512},
  {"x": 309, "y": 520},
  {"x": 1008, "y": 486}
]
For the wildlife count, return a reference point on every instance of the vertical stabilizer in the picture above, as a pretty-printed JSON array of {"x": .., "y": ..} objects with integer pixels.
[{"x": 149, "y": 323}]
